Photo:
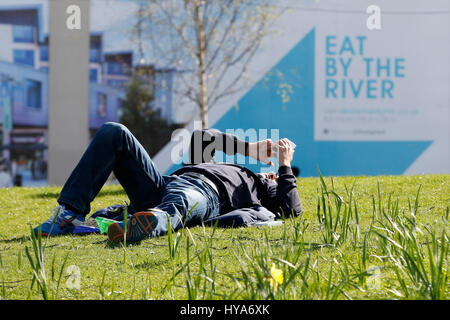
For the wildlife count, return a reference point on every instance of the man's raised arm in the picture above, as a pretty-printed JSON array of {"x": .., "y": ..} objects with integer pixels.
[{"x": 205, "y": 142}]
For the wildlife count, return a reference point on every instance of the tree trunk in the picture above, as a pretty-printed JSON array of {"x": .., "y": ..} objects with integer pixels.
[{"x": 201, "y": 51}]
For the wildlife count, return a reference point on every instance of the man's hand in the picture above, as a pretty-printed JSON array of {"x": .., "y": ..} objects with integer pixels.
[
  {"x": 269, "y": 175},
  {"x": 261, "y": 151},
  {"x": 285, "y": 152}
]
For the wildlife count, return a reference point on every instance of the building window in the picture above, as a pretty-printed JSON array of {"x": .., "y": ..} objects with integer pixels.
[
  {"x": 44, "y": 53},
  {"x": 116, "y": 68},
  {"x": 23, "y": 34},
  {"x": 94, "y": 55},
  {"x": 34, "y": 94},
  {"x": 18, "y": 95},
  {"x": 120, "y": 106},
  {"x": 24, "y": 57},
  {"x": 121, "y": 84},
  {"x": 101, "y": 104},
  {"x": 93, "y": 75}
]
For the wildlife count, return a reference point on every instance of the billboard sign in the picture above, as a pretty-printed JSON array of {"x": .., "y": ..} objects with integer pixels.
[{"x": 356, "y": 100}]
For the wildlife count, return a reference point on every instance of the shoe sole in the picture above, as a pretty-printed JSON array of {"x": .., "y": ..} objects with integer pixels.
[
  {"x": 46, "y": 234},
  {"x": 140, "y": 225},
  {"x": 115, "y": 232},
  {"x": 42, "y": 234}
]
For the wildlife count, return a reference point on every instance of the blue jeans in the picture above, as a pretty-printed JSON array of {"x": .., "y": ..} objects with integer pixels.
[{"x": 115, "y": 149}]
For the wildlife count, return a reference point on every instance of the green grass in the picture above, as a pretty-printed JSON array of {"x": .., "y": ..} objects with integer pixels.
[{"x": 358, "y": 238}]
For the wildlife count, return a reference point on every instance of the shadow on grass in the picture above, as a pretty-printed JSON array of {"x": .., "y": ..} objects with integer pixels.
[
  {"x": 15, "y": 240},
  {"x": 55, "y": 195},
  {"x": 149, "y": 265},
  {"x": 26, "y": 238},
  {"x": 114, "y": 245}
]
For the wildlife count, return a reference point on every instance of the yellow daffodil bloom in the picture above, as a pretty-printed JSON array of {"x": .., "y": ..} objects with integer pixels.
[{"x": 276, "y": 276}]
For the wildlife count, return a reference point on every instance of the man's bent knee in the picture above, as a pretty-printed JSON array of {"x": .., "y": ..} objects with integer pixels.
[
  {"x": 110, "y": 131},
  {"x": 113, "y": 126}
]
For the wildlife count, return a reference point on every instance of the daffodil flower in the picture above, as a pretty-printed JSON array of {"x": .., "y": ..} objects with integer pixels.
[{"x": 276, "y": 276}]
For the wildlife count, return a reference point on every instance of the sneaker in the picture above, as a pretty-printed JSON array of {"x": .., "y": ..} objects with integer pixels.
[
  {"x": 62, "y": 221},
  {"x": 139, "y": 227}
]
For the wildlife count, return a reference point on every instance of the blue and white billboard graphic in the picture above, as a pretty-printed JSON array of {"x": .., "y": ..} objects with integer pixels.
[{"x": 355, "y": 101}]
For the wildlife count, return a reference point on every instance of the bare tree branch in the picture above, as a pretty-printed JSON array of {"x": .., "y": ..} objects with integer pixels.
[{"x": 211, "y": 42}]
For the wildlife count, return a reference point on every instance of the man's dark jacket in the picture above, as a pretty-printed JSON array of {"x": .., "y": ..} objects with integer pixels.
[{"x": 247, "y": 197}]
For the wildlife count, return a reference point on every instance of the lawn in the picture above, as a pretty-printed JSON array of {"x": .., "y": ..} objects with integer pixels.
[{"x": 379, "y": 237}]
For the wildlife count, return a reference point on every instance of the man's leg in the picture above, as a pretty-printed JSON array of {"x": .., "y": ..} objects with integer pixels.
[
  {"x": 186, "y": 201},
  {"x": 113, "y": 149}
]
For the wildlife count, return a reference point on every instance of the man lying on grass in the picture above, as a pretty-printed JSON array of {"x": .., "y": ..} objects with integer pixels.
[{"x": 204, "y": 191}]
